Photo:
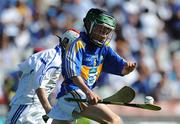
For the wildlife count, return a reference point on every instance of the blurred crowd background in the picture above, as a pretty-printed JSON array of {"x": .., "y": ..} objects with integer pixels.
[{"x": 148, "y": 32}]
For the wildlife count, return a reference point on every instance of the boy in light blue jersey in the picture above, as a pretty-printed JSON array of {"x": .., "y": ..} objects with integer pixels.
[
  {"x": 40, "y": 73},
  {"x": 84, "y": 59}
]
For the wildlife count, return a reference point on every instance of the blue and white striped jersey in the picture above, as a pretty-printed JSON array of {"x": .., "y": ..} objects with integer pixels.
[{"x": 41, "y": 70}]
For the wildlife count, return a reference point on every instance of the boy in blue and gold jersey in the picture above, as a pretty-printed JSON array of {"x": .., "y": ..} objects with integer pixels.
[
  {"x": 88, "y": 62},
  {"x": 83, "y": 61}
]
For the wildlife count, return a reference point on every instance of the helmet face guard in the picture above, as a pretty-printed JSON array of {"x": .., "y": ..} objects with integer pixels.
[
  {"x": 100, "y": 34},
  {"x": 101, "y": 26}
]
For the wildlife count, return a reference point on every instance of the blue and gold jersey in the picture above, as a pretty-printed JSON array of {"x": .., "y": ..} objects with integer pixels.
[{"x": 82, "y": 58}]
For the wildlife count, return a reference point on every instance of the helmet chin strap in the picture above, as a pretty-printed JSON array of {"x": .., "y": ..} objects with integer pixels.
[
  {"x": 109, "y": 38},
  {"x": 98, "y": 44}
]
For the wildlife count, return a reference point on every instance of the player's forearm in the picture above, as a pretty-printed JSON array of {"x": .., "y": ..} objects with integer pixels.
[
  {"x": 125, "y": 72},
  {"x": 80, "y": 83},
  {"x": 92, "y": 98},
  {"x": 41, "y": 93}
]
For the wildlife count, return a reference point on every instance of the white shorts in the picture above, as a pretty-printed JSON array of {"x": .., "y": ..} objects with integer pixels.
[
  {"x": 63, "y": 109},
  {"x": 26, "y": 114}
]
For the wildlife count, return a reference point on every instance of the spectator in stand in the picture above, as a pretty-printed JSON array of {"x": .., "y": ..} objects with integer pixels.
[
  {"x": 142, "y": 85},
  {"x": 164, "y": 89}
]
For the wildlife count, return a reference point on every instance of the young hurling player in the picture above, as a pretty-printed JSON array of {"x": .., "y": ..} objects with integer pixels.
[
  {"x": 40, "y": 73},
  {"x": 83, "y": 61}
]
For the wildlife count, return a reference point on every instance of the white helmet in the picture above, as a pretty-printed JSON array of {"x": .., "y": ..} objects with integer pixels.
[{"x": 68, "y": 37}]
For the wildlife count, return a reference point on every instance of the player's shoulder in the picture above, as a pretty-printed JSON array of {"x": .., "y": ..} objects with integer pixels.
[{"x": 45, "y": 54}]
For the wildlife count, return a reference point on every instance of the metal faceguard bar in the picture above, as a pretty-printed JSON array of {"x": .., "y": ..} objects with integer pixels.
[
  {"x": 106, "y": 20},
  {"x": 102, "y": 19}
]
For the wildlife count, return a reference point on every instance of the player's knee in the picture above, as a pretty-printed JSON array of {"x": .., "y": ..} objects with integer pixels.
[{"x": 115, "y": 120}]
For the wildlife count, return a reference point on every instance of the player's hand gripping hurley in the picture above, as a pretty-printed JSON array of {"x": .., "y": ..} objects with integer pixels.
[{"x": 123, "y": 97}]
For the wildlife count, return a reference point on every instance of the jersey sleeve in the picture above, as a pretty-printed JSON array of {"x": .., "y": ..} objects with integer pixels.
[
  {"x": 113, "y": 63},
  {"x": 46, "y": 71},
  {"x": 45, "y": 77},
  {"x": 73, "y": 59},
  {"x": 39, "y": 70},
  {"x": 27, "y": 65}
]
